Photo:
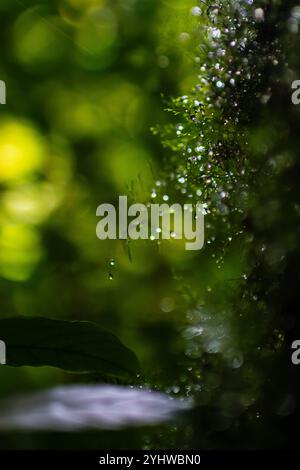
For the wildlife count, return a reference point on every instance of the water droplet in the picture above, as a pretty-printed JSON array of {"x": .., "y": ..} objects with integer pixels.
[
  {"x": 196, "y": 11},
  {"x": 259, "y": 14},
  {"x": 215, "y": 33}
]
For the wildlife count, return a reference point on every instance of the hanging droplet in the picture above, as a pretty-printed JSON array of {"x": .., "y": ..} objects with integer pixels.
[{"x": 111, "y": 265}]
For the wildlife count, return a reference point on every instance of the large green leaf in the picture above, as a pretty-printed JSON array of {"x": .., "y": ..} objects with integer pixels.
[{"x": 77, "y": 346}]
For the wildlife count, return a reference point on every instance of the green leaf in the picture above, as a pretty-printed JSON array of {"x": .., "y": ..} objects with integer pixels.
[{"x": 76, "y": 346}]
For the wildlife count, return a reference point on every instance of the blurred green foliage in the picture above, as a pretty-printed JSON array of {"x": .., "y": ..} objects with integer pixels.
[{"x": 84, "y": 83}]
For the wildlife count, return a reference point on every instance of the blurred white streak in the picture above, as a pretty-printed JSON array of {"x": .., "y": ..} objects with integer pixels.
[{"x": 79, "y": 407}]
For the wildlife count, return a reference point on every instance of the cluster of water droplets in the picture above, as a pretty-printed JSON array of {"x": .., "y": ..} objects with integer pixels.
[
  {"x": 210, "y": 333},
  {"x": 210, "y": 165},
  {"x": 209, "y": 162}
]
